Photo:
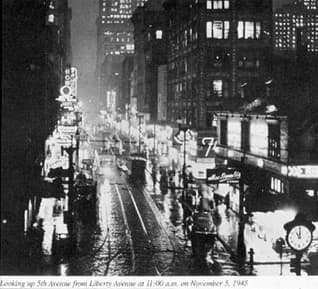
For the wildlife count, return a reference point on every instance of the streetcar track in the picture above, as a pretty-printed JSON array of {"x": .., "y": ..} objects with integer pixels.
[
  {"x": 164, "y": 230},
  {"x": 140, "y": 220},
  {"x": 128, "y": 232}
]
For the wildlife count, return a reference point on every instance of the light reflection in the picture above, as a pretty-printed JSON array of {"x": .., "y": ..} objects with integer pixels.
[{"x": 63, "y": 268}]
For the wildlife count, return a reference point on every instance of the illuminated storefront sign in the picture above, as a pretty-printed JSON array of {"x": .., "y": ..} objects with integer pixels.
[
  {"x": 67, "y": 129},
  {"x": 210, "y": 142},
  {"x": 222, "y": 175},
  {"x": 305, "y": 172}
]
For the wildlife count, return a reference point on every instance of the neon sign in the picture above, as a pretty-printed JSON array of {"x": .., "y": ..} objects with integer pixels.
[
  {"x": 211, "y": 142},
  {"x": 306, "y": 171}
]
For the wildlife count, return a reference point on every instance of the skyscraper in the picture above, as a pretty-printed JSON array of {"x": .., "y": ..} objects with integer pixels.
[
  {"x": 296, "y": 23},
  {"x": 115, "y": 36}
]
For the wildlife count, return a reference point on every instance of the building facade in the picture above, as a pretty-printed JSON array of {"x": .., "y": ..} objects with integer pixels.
[
  {"x": 273, "y": 172},
  {"x": 296, "y": 22},
  {"x": 218, "y": 56}
]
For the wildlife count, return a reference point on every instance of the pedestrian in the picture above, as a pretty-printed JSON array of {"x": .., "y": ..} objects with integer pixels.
[
  {"x": 207, "y": 199},
  {"x": 164, "y": 182}
]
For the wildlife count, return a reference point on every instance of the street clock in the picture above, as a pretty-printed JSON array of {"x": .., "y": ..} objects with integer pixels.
[
  {"x": 299, "y": 233},
  {"x": 299, "y": 238}
]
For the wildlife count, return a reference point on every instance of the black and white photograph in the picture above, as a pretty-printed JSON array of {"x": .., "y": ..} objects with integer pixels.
[{"x": 169, "y": 138}]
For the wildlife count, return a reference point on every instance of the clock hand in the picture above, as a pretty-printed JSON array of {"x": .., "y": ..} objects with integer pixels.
[{"x": 299, "y": 231}]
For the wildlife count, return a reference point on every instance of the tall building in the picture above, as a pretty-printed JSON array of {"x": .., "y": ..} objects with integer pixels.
[
  {"x": 114, "y": 35},
  {"x": 150, "y": 37},
  {"x": 218, "y": 56},
  {"x": 36, "y": 51},
  {"x": 296, "y": 23}
]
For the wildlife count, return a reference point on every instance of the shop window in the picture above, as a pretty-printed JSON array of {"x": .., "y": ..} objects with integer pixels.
[
  {"x": 217, "y": 29},
  {"x": 223, "y": 132},
  {"x": 277, "y": 186},
  {"x": 249, "y": 30},
  {"x": 274, "y": 141}
]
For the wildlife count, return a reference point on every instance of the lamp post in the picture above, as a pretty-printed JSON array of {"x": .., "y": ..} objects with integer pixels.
[{"x": 184, "y": 129}]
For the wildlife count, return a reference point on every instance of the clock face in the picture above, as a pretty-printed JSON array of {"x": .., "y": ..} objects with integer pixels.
[{"x": 299, "y": 237}]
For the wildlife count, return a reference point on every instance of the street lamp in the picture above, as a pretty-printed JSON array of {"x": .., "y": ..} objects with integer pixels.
[{"x": 186, "y": 131}]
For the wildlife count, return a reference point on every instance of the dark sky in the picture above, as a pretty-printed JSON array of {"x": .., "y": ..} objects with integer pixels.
[{"x": 84, "y": 41}]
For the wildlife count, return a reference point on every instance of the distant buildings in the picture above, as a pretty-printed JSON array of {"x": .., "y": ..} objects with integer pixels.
[
  {"x": 296, "y": 23},
  {"x": 114, "y": 41}
]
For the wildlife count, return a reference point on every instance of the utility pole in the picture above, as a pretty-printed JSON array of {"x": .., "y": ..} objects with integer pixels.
[
  {"x": 184, "y": 129},
  {"x": 154, "y": 139},
  {"x": 129, "y": 125},
  {"x": 140, "y": 116}
]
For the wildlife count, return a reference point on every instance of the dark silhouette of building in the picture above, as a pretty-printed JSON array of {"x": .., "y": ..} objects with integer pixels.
[
  {"x": 36, "y": 50},
  {"x": 126, "y": 82},
  {"x": 150, "y": 37}
]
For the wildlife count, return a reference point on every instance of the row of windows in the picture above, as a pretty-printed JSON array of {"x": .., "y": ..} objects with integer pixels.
[
  {"x": 218, "y": 4},
  {"x": 245, "y": 30},
  {"x": 258, "y": 138}
]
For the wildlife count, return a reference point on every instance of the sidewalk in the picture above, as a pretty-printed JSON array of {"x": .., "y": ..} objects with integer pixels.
[{"x": 257, "y": 236}]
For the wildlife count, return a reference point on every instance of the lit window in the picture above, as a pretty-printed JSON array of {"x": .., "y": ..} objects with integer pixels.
[
  {"x": 209, "y": 4},
  {"x": 217, "y": 29},
  {"x": 218, "y": 87},
  {"x": 220, "y": 4},
  {"x": 249, "y": 30},
  {"x": 209, "y": 29},
  {"x": 51, "y": 18},
  {"x": 277, "y": 185},
  {"x": 310, "y": 193},
  {"x": 159, "y": 34}
]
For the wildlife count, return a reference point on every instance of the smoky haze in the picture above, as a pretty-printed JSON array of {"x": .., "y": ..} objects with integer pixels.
[{"x": 84, "y": 43}]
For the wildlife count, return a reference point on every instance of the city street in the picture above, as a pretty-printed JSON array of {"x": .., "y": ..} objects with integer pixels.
[
  {"x": 139, "y": 231},
  {"x": 159, "y": 138}
]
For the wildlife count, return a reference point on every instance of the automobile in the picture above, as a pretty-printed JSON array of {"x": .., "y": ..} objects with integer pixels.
[
  {"x": 122, "y": 166},
  {"x": 202, "y": 232}
]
